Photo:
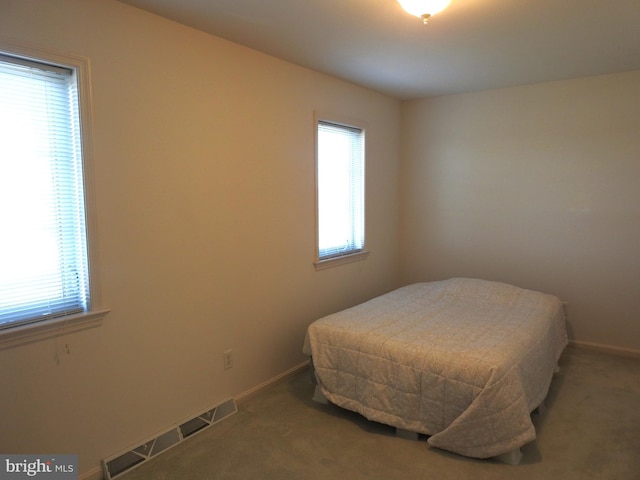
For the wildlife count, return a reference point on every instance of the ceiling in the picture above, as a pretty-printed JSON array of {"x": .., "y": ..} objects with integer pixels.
[{"x": 472, "y": 45}]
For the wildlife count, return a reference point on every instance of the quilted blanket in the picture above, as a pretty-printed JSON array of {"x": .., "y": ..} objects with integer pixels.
[{"x": 463, "y": 361}]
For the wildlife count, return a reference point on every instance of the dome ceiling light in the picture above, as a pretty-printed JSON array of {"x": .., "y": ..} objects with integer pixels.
[{"x": 423, "y": 9}]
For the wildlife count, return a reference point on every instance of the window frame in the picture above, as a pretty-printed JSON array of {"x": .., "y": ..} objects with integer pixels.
[
  {"x": 95, "y": 313},
  {"x": 338, "y": 120}
]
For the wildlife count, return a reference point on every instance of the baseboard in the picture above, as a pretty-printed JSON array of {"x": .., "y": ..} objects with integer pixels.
[
  {"x": 613, "y": 350},
  {"x": 243, "y": 397}
]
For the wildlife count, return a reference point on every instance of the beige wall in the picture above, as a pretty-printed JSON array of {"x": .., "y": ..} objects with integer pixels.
[
  {"x": 537, "y": 186},
  {"x": 204, "y": 188}
]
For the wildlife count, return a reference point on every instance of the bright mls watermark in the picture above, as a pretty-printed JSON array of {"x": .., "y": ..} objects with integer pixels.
[{"x": 50, "y": 467}]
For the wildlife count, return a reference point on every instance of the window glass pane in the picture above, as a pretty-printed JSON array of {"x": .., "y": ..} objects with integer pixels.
[
  {"x": 340, "y": 177},
  {"x": 43, "y": 259}
]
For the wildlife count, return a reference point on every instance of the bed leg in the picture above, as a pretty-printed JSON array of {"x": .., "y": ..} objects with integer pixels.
[
  {"x": 319, "y": 397},
  {"x": 510, "y": 458},
  {"x": 312, "y": 371},
  {"x": 407, "y": 434}
]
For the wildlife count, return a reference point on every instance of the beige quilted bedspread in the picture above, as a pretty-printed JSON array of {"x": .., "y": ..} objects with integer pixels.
[{"x": 464, "y": 361}]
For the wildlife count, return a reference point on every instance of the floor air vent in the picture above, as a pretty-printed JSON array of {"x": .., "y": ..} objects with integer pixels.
[{"x": 123, "y": 462}]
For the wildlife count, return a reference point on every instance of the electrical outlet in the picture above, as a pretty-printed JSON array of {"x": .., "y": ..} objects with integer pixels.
[{"x": 228, "y": 359}]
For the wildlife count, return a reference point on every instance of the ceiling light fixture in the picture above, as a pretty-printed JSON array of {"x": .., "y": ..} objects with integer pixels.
[{"x": 424, "y": 9}]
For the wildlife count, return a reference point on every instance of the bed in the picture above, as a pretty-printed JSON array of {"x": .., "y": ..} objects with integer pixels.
[{"x": 463, "y": 361}]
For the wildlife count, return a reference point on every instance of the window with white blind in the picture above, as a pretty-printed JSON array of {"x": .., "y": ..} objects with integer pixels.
[
  {"x": 44, "y": 262},
  {"x": 340, "y": 166}
]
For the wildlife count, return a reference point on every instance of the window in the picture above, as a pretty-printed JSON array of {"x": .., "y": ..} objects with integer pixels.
[
  {"x": 340, "y": 191},
  {"x": 44, "y": 259}
]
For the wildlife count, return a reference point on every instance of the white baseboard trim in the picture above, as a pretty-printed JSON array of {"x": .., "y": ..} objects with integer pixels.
[
  {"x": 93, "y": 474},
  {"x": 620, "y": 351},
  {"x": 243, "y": 397}
]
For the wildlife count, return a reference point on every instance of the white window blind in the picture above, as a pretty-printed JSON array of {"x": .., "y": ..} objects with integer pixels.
[
  {"x": 43, "y": 249},
  {"x": 340, "y": 190}
]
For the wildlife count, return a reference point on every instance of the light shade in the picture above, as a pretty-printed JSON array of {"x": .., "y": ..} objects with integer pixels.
[{"x": 423, "y": 8}]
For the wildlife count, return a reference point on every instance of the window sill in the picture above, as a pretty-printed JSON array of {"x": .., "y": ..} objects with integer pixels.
[
  {"x": 344, "y": 259},
  {"x": 34, "y": 332}
]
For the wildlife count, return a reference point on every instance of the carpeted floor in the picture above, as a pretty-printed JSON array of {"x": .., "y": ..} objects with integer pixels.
[{"x": 590, "y": 430}]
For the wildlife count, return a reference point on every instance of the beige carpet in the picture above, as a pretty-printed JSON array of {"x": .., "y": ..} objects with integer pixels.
[{"x": 590, "y": 430}]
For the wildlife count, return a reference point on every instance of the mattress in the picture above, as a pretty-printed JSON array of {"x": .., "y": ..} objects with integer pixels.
[{"x": 464, "y": 361}]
